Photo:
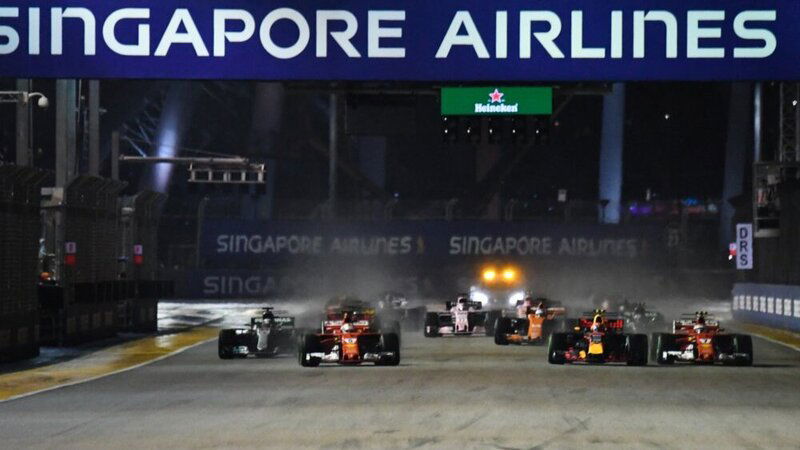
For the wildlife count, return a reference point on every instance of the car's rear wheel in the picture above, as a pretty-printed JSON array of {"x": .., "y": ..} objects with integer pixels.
[
  {"x": 501, "y": 330},
  {"x": 390, "y": 342},
  {"x": 636, "y": 349},
  {"x": 490, "y": 322},
  {"x": 308, "y": 344},
  {"x": 556, "y": 346},
  {"x": 431, "y": 325},
  {"x": 743, "y": 344},
  {"x": 227, "y": 339}
]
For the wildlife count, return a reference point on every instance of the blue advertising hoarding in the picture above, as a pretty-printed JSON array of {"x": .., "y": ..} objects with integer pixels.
[
  {"x": 226, "y": 243},
  {"x": 773, "y": 305},
  {"x": 256, "y": 259},
  {"x": 464, "y": 40}
]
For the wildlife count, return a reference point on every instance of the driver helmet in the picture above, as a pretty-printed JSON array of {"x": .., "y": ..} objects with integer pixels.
[
  {"x": 701, "y": 319},
  {"x": 348, "y": 328},
  {"x": 699, "y": 328},
  {"x": 597, "y": 323},
  {"x": 461, "y": 303},
  {"x": 539, "y": 311}
]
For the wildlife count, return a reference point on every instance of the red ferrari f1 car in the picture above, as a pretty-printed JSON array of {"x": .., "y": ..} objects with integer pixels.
[
  {"x": 698, "y": 338},
  {"x": 349, "y": 337},
  {"x": 598, "y": 339}
]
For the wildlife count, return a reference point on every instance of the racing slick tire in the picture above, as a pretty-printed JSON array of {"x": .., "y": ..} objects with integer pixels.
[
  {"x": 490, "y": 322},
  {"x": 391, "y": 326},
  {"x": 664, "y": 342},
  {"x": 743, "y": 343},
  {"x": 227, "y": 339},
  {"x": 636, "y": 349},
  {"x": 502, "y": 327},
  {"x": 309, "y": 343},
  {"x": 390, "y": 342},
  {"x": 431, "y": 325},
  {"x": 556, "y": 346}
]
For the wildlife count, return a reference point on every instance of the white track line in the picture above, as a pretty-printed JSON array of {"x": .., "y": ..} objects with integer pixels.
[
  {"x": 97, "y": 377},
  {"x": 775, "y": 341}
]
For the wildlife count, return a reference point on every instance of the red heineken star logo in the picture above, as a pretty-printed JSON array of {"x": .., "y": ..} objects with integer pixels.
[{"x": 496, "y": 96}]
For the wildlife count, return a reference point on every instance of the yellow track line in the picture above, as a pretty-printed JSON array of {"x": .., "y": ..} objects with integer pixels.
[
  {"x": 784, "y": 337},
  {"x": 101, "y": 363}
]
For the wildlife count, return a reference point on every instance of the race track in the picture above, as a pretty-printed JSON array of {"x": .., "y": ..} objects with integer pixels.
[{"x": 447, "y": 393}]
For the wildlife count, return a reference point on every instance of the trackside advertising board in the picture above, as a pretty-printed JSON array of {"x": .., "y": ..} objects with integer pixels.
[
  {"x": 497, "y": 101},
  {"x": 229, "y": 243},
  {"x": 447, "y": 40}
]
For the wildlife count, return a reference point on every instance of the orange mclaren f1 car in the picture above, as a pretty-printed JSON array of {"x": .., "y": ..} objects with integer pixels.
[{"x": 533, "y": 324}]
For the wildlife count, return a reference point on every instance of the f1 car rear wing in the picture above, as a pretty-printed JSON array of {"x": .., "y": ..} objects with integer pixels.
[
  {"x": 470, "y": 304},
  {"x": 333, "y": 326},
  {"x": 585, "y": 323},
  {"x": 283, "y": 321},
  {"x": 689, "y": 324}
]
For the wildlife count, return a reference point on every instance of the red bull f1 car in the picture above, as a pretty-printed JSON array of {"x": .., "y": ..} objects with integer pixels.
[
  {"x": 598, "y": 339},
  {"x": 265, "y": 335},
  {"x": 698, "y": 338}
]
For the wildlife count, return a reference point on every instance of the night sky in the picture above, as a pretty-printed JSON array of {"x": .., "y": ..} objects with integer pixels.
[{"x": 674, "y": 143}]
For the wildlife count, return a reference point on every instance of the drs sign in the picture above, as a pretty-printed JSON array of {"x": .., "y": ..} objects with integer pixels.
[{"x": 744, "y": 246}]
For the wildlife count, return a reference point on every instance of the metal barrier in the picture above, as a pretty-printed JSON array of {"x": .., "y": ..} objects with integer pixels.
[
  {"x": 73, "y": 267},
  {"x": 772, "y": 305},
  {"x": 19, "y": 245},
  {"x": 79, "y": 303},
  {"x": 140, "y": 215}
]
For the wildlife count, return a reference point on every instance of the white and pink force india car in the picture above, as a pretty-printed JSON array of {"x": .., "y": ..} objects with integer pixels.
[{"x": 463, "y": 317}]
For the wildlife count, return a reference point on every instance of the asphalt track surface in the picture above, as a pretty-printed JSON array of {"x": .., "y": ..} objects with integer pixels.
[{"x": 447, "y": 393}]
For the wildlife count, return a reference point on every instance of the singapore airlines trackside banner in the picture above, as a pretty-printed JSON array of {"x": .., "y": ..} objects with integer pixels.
[
  {"x": 243, "y": 243},
  {"x": 458, "y": 40}
]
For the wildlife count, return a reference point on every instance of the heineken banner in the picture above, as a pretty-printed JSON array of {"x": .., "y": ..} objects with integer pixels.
[
  {"x": 446, "y": 40},
  {"x": 231, "y": 243},
  {"x": 497, "y": 101}
]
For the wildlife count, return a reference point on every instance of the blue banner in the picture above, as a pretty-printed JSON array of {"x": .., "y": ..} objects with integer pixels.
[
  {"x": 233, "y": 243},
  {"x": 772, "y": 305},
  {"x": 446, "y": 40}
]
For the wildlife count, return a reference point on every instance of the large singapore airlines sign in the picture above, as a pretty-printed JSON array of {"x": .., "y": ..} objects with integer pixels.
[{"x": 402, "y": 40}]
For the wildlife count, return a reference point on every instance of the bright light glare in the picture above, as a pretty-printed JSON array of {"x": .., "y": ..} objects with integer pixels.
[
  {"x": 515, "y": 297},
  {"x": 509, "y": 274},
  {"x": 478, "y": 296},
  {"x": 489, "y": 274}
]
